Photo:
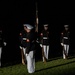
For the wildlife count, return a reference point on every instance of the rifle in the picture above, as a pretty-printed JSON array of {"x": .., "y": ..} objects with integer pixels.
[
  {"x": 43, "y": 55},
  {"x": 36, "y": 29},
  {"x": 63, "y": 48},
  {"x": 23, "y": 57},
  {"x": 64, "y": 51}
]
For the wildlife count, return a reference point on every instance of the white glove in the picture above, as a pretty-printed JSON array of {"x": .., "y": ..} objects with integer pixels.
[
  {"x": 41, "y": 45},
  {"x": 26, "y": 54},
  {"x": 20, "y": 47},
  {"x": 37, "y": 41},
  {"x": 5, "y": 43},
  {"x": 62, "y": 44}
]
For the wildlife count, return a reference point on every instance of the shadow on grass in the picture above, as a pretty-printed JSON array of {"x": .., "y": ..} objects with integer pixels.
[
  {"x": 71, "y": 57},
  {"x": 55, "y": 66},
  {"x": 56, "y": 58},
  {"x": 19, "y": 62},
  {"x": 10, "y": 63}
]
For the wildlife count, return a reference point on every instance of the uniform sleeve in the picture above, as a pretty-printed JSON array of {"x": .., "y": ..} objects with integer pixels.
[
  {"x": 36, "y": 37},
  {"x": 69, "y": 35},
  {"x": 20, "y": 37},
  {"x": 28, "y": 45},
  {"x": 41, "y": 37},
  {"x": 61, "y": 38},
  {"x": 48, "y": 34},
  {"x": 4, "y": 39}
]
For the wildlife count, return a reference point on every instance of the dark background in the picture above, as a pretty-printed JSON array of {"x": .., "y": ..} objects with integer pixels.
[{"x": 13, "y": 14}]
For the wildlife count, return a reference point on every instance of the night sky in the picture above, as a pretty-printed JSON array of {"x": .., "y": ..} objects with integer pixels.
[{"x": 13, "y": 14}]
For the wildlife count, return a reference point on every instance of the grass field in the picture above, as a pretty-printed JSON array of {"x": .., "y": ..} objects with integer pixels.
[{"x": 55, "y": 66}]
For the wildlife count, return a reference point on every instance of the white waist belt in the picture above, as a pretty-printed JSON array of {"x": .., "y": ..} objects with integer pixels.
[
  {"x": 24, "y": 38},
  {"x": 45, "y": 38},
  {"x": 65, "y": 37}
]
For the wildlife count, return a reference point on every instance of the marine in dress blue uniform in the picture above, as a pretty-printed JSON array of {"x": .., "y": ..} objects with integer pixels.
[
  {"x": 44, "y": 39},
  {"x": 2, "y": 42},
  {"x": 30, "y": 48},
  {"x": 23, "y": 44},
  {"x": 65, "y": 41}
]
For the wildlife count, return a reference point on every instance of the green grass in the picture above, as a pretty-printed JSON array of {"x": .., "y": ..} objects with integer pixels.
[{"x": 55, "y": 66}]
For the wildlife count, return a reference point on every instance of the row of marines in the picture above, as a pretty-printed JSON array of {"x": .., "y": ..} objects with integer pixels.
[{"x": 28, "y": 40}]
